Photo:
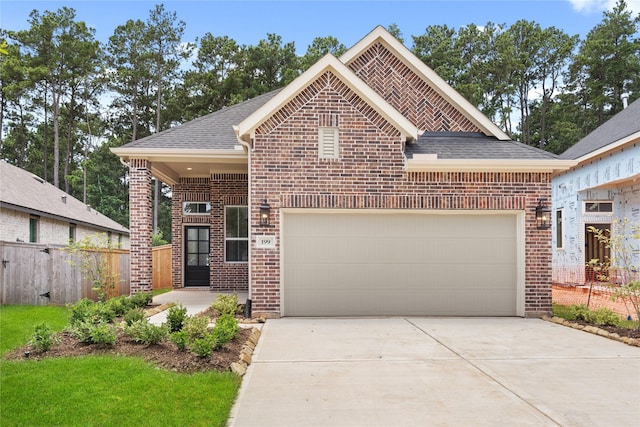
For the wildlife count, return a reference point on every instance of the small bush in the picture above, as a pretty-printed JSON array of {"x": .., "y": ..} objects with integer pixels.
[
  {"x": 82, "y": 330},
  {"x": 203, "y": 347},
  {"x": 103, "y": 334},
  {"x": 119, "y": 305},
  {"x": 606, "y": 317},
  {"x": 146, "y": 333},
  {"x": 225, "y": 330},
  {"x": 141, "y": 299},
  {"x": 226, "y": 304},
  {"x": 82, "y": 311},
  {"x": 580, "y": 312},
  {"x": 196, "y": 327},
  {"x": 133, "y": 315},
  {"x": 176, "y": 316},
  {"x": 180, "y": 339},
  {"x": 42, "y": 338}
]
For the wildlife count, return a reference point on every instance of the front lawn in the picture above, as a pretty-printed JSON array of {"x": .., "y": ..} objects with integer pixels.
[{"x": 101, "y": 390}]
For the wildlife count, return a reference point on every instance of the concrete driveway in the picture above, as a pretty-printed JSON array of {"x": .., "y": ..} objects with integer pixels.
[{"x": 437, "y": 372}]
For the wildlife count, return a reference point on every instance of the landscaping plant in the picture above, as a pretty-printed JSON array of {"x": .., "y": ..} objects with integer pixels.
[
  {"x": 42, "y": 338},
  {"x": 621, "y": 271},
  {"x": 176, "y": 316},
  {"x": 146, "y": 333},
  {"x": 226, "y": 304},
  {"x": 133, "y": 315},
  {"x": 93, "y": 255}
]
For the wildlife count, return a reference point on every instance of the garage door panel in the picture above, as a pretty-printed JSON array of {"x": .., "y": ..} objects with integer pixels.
[{"x": 379, "y": 264}]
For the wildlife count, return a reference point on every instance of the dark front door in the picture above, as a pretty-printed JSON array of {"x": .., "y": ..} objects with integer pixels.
[{"x": 196, "y": 259}]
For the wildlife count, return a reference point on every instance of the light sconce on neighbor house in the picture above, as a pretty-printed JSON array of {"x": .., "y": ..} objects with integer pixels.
[
  {"x": 543, "y": 215},
  {"x": 265, "y": 213}
]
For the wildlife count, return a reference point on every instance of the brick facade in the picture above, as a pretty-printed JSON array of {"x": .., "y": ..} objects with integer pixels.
[
  {"x": 370, "y": 174},
  {"x": 220, "y": 190},
  {"x": 140, "y": 225}
]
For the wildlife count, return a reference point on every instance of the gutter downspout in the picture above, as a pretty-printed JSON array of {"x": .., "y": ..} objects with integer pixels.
[{"x": 247, "y": 148}]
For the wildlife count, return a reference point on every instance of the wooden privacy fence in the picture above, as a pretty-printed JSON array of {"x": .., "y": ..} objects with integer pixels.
[
  {"x": 161, "y": 267},
  {"x": 29, "y": 271}
]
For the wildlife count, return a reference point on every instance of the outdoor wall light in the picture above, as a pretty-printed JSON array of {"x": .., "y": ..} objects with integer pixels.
[
  {"x": 543, "y": 215},
  {"x": 265, "y": 213}
]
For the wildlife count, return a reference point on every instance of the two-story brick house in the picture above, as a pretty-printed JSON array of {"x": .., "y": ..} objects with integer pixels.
[{"x": 367, "y": 186}]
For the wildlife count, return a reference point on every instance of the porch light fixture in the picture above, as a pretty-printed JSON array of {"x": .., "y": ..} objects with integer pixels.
[
  {"x": 543, "y": 215},
  {"x": 265, "y": 213}
]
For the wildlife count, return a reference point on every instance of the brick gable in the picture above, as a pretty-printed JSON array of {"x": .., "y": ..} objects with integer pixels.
[{"x": 392, "y": 79}]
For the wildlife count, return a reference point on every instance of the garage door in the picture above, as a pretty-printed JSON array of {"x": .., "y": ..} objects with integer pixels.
[{"x": 357, "y": 264}]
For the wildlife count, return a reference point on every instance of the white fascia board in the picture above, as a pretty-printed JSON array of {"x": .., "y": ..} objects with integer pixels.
[
  {"x": 246, "y": 128},
  {"x": 179, "y": 154},
  {"x": 435, "y": 81},
  {"x": 487, "y": 165}
]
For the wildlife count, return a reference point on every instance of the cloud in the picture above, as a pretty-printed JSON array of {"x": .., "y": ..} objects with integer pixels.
[{"x": 587, "y": 6}]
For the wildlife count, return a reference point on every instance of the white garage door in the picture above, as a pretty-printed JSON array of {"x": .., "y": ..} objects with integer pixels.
[{"x": 367, "y": 264}]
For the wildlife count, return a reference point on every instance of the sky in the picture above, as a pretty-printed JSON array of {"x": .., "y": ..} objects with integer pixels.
[{"x": 247, "y": 22}]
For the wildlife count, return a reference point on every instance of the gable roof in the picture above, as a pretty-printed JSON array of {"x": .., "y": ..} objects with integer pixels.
[
  {"x": 245, "y": 130},
  {"x": 24, "y": 191},
  {"x": 615, "y": 132},
  {"x": 381, "y": 35}
]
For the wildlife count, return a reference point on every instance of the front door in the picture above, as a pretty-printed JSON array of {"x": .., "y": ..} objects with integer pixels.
[
  {"x": 196, "y": 259},
  {"x": 596, "y": 250}
]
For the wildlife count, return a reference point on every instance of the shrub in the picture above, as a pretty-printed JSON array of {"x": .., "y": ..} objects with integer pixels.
[
  {"x": 144, "y": 332},
  {"x": 176, "y": 316},
  {"x": 103, "y": 334},
  {"x": 133, "y": 315},
  {"x": 226, "y": 304},
  {"x": 86, "y": 310},
  {"x": 195, "y": 327},
  {"x": 203, "y": 347},
  {"x": 141, "y": 299},
  {"x": 119, "y": 305},
  {"x": 225, "y": 330},
  {"x": 180, "y": 339},
  {"x": 581, "y": 312},
  {"x": 82, "y": 330},
  {"x": 606, "y": 317},
  {"x": 42, "y": 338}
]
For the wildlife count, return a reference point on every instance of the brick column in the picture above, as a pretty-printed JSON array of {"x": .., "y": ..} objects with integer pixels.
[{"x": 140, "y": 225}]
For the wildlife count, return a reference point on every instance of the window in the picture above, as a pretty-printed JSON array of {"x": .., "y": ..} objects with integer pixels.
[
  {"x": 236, "y": 233},
  {"x": 196, "y": 208},
  {"x": 33, "y": 229},
  {"x": 72, "y": 233},
  {"x": 559, "y": 242},
  {"x": 598, "y": 207},
  {"x": 328, "y": 147}
]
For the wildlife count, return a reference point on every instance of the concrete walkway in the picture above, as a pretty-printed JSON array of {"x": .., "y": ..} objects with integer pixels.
[
  {"x": 437, "y": 372},
  {"x": 195, "y": 301}
]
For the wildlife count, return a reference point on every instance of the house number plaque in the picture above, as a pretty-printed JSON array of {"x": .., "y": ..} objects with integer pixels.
[{"x": 266, "y": 242}]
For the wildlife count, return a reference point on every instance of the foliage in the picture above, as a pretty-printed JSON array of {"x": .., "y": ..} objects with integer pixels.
[
  {"x": 226, "y": 304},
  {"x": 176, "y": 316},
  {"x": 141, "y": 299},
  {"x": 196, "y": 327},
  {"x": 100, "y": 333},
  {"x": 203, "y": 346},
  {"x": 225, "y": 329},
  {"x": 86, "y": 310},
  {"x": 42, "y": 338},
  {"x": 146, "y": 333},
  {"x": 158, "y": 239},
  {"x": 93, "y": 255},
  {"x": 133, "y": 315},
  {"x": 621, "y": 270},
  {"x": 119, "y": 305},
  {"x": 180, "y": 339}
]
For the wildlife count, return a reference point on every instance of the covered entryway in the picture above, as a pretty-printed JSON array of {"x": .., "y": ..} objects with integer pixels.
[{"x": 355, "y": 263}]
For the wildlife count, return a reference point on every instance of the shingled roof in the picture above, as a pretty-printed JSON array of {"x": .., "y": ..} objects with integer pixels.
[
  {"x": 620, "y": 126},
  {"x": 22, "y": 190},
  {"x": 213, "y": 131},
  {"x": 472, "y": 145}
]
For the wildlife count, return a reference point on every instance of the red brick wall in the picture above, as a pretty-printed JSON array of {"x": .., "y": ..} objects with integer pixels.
[
  {"x": 370, "y": 175},
  {"x": 140, "y": 225},
  {"x": 220, "y": 190}
]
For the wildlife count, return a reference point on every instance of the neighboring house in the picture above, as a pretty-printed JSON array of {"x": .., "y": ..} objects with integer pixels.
[
  {"x": 602, "y": 190},
  {"x": 367, "y": 186},
  {"x": 32, "y": 210}
]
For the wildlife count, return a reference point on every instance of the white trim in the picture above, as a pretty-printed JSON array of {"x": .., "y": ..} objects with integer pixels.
[
  {"x": 246, "y": 129},
  {"x": 235, "y": 239},
  {"x": 487, "y": 165},
  {"x": 434, "y": 80}
]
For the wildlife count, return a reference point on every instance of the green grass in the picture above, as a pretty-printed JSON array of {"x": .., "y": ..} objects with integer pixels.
[
  {"x": 160, "y": 291},
  {"x": 101, "y": 391}
]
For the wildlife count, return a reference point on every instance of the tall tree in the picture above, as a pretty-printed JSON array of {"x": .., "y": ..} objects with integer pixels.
[{"x": 319, "y": 47}]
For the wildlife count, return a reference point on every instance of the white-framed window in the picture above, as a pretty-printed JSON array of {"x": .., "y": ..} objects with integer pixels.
[
  {"x": 597, "y": 207},
  {"x": 34, "y": 225},
  {"x": 72, "y": 232},
  {"x": 328, "y": 146},
  {"x": 236, "y": 234},
  {"x": 559, "y": 242},
  {"x": 196, "y": 208}
]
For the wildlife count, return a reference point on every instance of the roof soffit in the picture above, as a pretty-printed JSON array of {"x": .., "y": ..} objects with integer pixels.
[{"x": 379, "y": 34}]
